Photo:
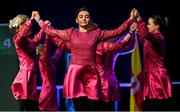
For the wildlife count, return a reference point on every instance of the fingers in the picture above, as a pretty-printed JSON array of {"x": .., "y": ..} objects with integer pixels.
[
  {"x": 133, "y": 14},
  {"x": 35, "y": 15},
  {"x": 47, "y": 22}
]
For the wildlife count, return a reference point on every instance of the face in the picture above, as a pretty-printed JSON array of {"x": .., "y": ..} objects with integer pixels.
[
  {"x": 133, "y": 26},
  {"x": 83, "y": 19},
  {"x": 151, "y": 26}
]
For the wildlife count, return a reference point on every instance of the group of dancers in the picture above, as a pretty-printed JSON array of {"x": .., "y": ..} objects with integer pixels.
[{"x": 90, "y": 82}]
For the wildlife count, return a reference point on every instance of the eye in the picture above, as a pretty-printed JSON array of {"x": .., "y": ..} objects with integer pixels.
[
  {"x": 87, "y": 16},
  {"x": 80, "y": 16}
]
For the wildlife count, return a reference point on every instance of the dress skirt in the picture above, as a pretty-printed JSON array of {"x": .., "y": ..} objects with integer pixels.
[
  {"x": 82, "y": 80},
  {"x": 24, "y": 85},
  {"x": 157, "y": 84}
]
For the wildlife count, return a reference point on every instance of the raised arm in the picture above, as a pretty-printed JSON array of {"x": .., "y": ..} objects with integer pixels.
[
  {"x": 64, "y": 34},
  {"x": 38, "y": 37},
  {"x": 61, "y": 43},
  {"x": 112, "y": 46},
  {"x": 119, "y": 44},
  {"x": 104, "y": 34},
  {"x": 23, "y": 32},
  {"x": 144, "y": 33}
]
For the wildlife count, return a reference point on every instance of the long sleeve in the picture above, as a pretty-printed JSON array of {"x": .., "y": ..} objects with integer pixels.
[
  {"x": 63, "y": 34},
  {"x": 62, "y": 44},
  {"x": 129, "y": 45},
  {"x": 23, "y": 32},
  {"x": 145, "y": 34},
  {"x": 105, "y": 34},
  {"x": 110, "y": 46},
  {"x": 38, "y": 37}
]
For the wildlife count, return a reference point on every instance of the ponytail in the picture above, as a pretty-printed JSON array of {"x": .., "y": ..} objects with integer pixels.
[{"x": 163, "y": 23}]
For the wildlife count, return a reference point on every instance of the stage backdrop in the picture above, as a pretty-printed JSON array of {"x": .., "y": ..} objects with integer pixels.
[{"x": 8, "y": 69}]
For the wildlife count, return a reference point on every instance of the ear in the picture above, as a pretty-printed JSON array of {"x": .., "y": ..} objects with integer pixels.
[
  {"x": 76, "y": 20},
  {"x": 157, "y": 27}
]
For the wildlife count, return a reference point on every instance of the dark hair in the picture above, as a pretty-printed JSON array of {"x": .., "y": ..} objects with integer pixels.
[
  {"x": 82, "y": 9},
  {"x": 162, "y": 22}
]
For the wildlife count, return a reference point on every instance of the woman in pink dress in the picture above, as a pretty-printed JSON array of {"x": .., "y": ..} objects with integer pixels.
[
  {"x": 81, "y": 79},
  {"x": 156, "y": 82},
  {"x": 104, "y": 63},
  {"x": 47, "y": 96},
  {"x": 105, "y": 56},
  {"x": 24, "y": 85}
]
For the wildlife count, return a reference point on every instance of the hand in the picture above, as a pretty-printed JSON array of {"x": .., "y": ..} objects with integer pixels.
[
  {"x": 138, "y": 15},
  {"x": 133, "y": 14},
  {"x": 48, "y": 22},
  {"x": 36, "y": 15}
]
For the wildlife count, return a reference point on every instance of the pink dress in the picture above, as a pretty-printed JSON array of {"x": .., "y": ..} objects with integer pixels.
[
  {"x": 105, "y": 58},
  {"x": 47, "y": 97},
  {"x": 82, "y": 75},
  {"x": 110, "y": 90},
  {"x": 156, "y": 82},
  {"x": 24, "y": 85}
]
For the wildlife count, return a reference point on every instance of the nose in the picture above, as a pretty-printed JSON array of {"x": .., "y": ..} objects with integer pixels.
[{"x": 84, "y": 18}]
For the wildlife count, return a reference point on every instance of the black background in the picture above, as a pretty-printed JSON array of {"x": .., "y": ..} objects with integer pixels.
[{"x": 107, "y": 14}]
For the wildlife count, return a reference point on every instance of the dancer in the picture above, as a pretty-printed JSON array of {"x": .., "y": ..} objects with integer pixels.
[
  {"x": 105, "y": 55},
  {"x": 24, "y": 85},
  {"x": 104, "y": 62},
  {"x": 47, "y": 97},
  {"x": 156, "y": 82},
  {"x": 79, "y": 80}
]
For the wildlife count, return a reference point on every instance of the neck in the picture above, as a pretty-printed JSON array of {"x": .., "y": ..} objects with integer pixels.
[
  {"x": 156, "y": 31},
  {"x": 84, "y": 29}
]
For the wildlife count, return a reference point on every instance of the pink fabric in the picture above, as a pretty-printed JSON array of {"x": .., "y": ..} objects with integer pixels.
[
  {"x": 110, "y": 90},
  {"x": 80, "y": 81},
  {"x": 105, "y": 59},
  {"x": 156, "y": 82},
  {"x": 109, "y": 83},
  {"x": 24, "y": 84},
  {"x": 84, "y": 44},
  {"x": 114, "y": 88},
  {"x": 47, "y": 97},
  {"x": 81, "y": 78}
]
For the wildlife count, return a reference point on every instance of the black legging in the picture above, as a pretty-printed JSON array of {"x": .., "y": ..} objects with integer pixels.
[
  {"x": 85, "y": 104},
  {"x": 29, "y": 105},
  {"x": 158, "y": 105}
]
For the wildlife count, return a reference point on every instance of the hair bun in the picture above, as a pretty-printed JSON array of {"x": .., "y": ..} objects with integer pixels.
[{"x": 15, "y": 22}]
